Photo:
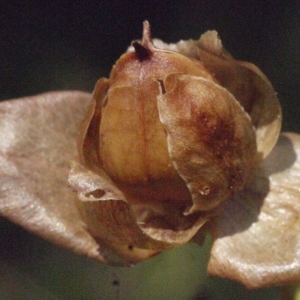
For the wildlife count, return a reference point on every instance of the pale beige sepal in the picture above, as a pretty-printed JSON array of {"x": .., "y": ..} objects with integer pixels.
[
  {"x": 37, "y": 142},
  {"x": 257, "y": 237}
]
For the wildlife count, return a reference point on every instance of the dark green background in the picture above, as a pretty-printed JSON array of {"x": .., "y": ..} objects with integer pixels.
[
  {"x": 54, "y": 45},
  {"x": 51, "y": 45}
]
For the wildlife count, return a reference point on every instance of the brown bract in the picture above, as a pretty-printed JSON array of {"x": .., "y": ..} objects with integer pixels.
[{"x": 177, "y": 137}]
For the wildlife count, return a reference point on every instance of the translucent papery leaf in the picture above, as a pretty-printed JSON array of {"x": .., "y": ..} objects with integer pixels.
[
  {"x": 257, "y": 236},
  {"x": 249, "y": 86},
  {"x": 110, "y": 218},
  {"x": 210, "y": 138},
  {"x": 37, "y": 142}
]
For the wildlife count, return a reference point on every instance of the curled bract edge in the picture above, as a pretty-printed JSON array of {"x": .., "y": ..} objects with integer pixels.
[
  {"x": 254, "y": 226},
  {"x": 244, "y": 80}
]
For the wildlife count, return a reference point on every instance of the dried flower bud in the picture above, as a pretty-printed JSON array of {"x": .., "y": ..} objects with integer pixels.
[{"x": 167, "y": 142}]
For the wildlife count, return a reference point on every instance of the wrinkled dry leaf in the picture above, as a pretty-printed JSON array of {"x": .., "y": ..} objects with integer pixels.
[
  {"x": 249, "y": 86},
  {"x": 257, "y": 235},
  {"x": 210, "y": 138},
  {"x": 244, "y": 80}
]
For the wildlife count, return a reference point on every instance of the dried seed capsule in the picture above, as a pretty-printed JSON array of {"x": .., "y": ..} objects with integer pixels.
[{"x": 166, "y": 143}]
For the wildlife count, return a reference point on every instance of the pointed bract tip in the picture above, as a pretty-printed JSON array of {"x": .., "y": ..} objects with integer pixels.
[
  {"x": 144, "y": 48},
  {"x": 146, "y": 33}
]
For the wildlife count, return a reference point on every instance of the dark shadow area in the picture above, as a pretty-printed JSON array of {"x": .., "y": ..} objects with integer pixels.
[
  {"x": 241, "y": 211},
  {"x": 69, "y": 45},
  {"x": 282, "y": 157}
]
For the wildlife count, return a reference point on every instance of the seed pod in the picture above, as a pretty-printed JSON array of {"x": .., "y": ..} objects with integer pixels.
[{"x": 166, "y": 144}]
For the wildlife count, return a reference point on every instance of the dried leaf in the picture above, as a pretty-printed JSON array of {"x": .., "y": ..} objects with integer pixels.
[
  {"x": 244, "y": 80},
  {"x": 210, "y": 139},
  {"x": 249, "y": 86},
  {"x": 257, "y": 235}
]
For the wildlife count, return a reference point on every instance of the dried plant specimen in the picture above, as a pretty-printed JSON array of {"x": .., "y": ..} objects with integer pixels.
[{"x": 180, "y": 140}]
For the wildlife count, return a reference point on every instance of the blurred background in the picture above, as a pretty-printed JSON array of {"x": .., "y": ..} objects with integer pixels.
[{"x": 68, "y": 45}]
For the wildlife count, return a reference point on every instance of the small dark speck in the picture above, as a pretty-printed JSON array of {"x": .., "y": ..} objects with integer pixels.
[
  {"x": 130, "y": 247},
  {"x": 116, "y": 282}
]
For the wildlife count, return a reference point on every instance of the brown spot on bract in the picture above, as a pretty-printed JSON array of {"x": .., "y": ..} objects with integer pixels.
[{"x": 130, "y": 247}]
